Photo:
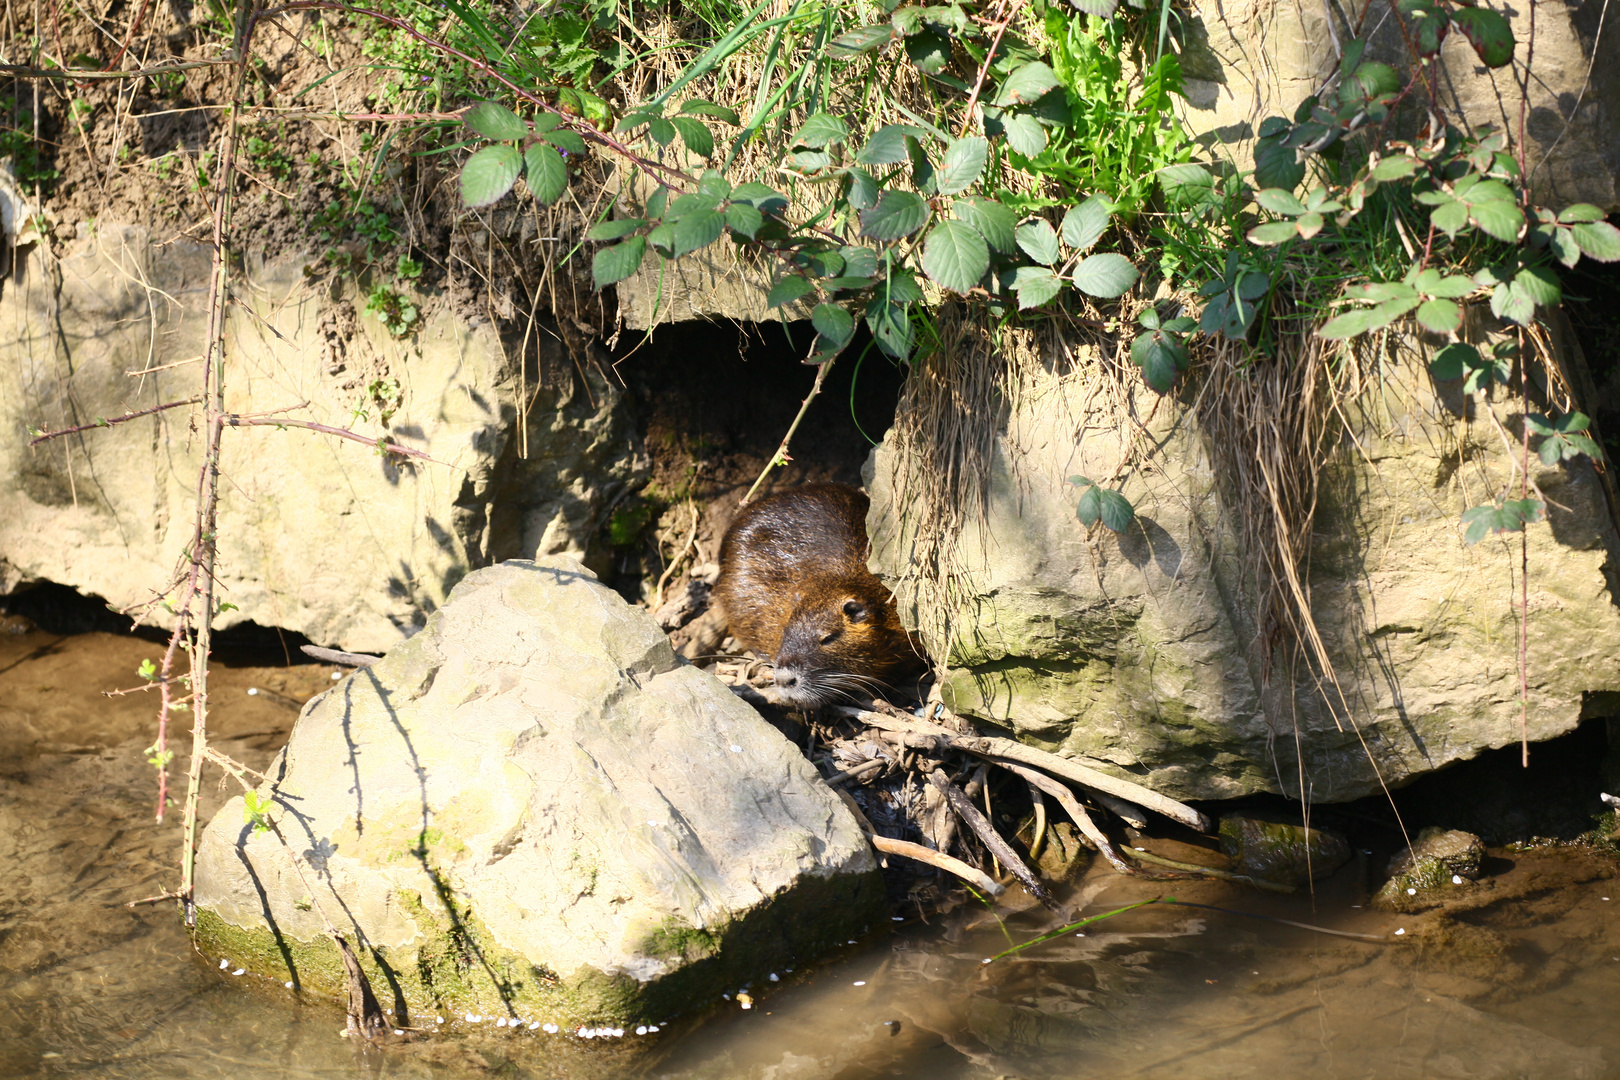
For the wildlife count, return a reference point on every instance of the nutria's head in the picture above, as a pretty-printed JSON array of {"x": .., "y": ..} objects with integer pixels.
[{"x": 840, "y": 645}]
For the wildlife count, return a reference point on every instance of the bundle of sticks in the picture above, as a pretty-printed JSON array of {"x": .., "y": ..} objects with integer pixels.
[{"x": 934, "y": 771}]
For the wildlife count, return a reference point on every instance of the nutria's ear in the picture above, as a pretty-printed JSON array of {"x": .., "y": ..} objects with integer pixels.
[{"x": 854, "y": 610}]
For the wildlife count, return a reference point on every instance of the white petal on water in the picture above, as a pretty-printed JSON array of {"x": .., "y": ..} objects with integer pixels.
[
  {"x": 472, "y": 1018},
  {"x": 288, "y": 984},
  {"x": 223, "y": 964},
  {"x": 253, "y": 691},
  {"x": 398, "y": 1031},
  {"x": 618, "y": 1033},
  {"x": 652, "y": 1028},
  {"x": 1401, "y": 931},
  {"x": 240, "y": 971},
  {"x": 336, "y": 675},
  {"x": 1411, "y": 892},
  {"x": 860, "y": 982},
  {"x": 1456, "y": 879},
  {"x": 641, "y": 1030},
  {"x": 500, "y": 1021}
]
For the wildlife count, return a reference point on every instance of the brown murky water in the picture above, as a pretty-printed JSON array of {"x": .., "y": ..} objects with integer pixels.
[{"x": 1522, "y": 980}]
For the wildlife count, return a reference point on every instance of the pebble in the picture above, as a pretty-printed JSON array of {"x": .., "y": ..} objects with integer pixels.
[
  {"x": 860, "y": 982},
  {"x": 223, "y": 964},
  {"x": 1401, "y": 931},
  {"x": 1456, "y": 879},
  {"x": 534, "y": 1026},
  {"x": 398, "y": 1031},
  {"x": 551, "y": 1029},
  {"x": 897, "y": 918},
  {"x": 473, "y": 1018},
  {"x": 1411, "y": 892},
  {"x": 438, "y": 1019},
  {"x": 288, "y": 984},
  {"x": 500, "y": 1022},
  {"x": 775, "y": 978},
  {"x": 652, "y": 1028},
  {"x": 735, "y": 749},
  {"x": 253, "y": 691},
  {"x": 618, "y": 1033},
  {"x": 336, "y": 675},
  {"x": 642, "y": 1030},
  {"x": 240, "y": 971}
]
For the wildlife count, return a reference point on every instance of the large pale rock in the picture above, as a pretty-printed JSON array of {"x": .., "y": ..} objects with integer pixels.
[
  {"x": 1138, "y": 650},
  {"x": 532, "y": 806},
  {"x": 317, "y": 534},
  {"x": 1250, "y": 59}
]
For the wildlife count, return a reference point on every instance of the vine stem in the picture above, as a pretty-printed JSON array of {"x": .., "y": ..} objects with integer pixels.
[
  {"x": 1524, "y": 563},
  {"x": 203, "y": 545},
  {"x": 780, "y": 457}
]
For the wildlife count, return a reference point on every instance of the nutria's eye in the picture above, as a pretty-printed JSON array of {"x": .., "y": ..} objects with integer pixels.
[{"x": 853, "y": 610}]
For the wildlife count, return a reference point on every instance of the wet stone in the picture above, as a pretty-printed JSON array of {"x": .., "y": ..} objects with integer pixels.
[
  {"x": 1439, "y": 859},
  {"x": 1281, "y": 852}
]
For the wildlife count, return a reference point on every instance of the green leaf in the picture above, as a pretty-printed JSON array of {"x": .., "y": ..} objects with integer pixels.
[
  {"x": 1452, "y": 361},
  {"x": 1488, "y": 32},
  {"x": 701, "y": 107},
  {"x": 1539, "y": 284},
  {"x": 1273, "y": 233},
  {"x": 863, "y": 189},
  {"x": 929, "y": 50},
  {"x": 863, "y": 39},
  {"x": 713, "y": 186},
  {"x": 565, "y": 139},
  {"x": 661, "y": 130},
  {"x": 955, "y": 255},
  {"x": 1025, "y": 85},
  {"x": 657, "y": 201},
  {"x": 1280, "y": 202},
  {"x": 695, "y": 134},
  {"x": 612, "y": 230},
  {"x": 887, "y": 146},
  {"x": 1509, "y": 300},
  {"x": 859, "y": 262},
  {"x": 820, "y": 130},
  {"x": 1440, "y": 316},
  {"x": 699, "y": 230},
  {"x": 744, "y": 219},
  {"x": 1393, "y": 168},
  {"x": 662, "y": 238},
  {"x": 897, "y": 214},
  {"x": 1160, "y": 356},
  {"x": 994, "y": 221},
  {"x": 494, "y": 121},
  {"x": 1187, "y": 185},
  {"x": 1597, "y": 240},
  {"x": 962, "y": 165},
  {"x": 1110, "y": 507},
  {"x": 1447, "y": 287},
  {"x": 833, "y": 323},
  {"x": 1024, "y": 133},
  {"x": 1104, "y": 276},
  {"x": 490, "y": 174},
  {"x": 1580, "y": 212},
  {"x": 790, "y": 288},
  {"x": 1038, "y": 241},
  {"x": 891, "y": 327},
  {"x": 1035, "y": 285},
  {"x": 899, "y": 288},
  {"x": 618, "y": 262},
  {"x": 1275, "y": 165},
  {"x": 547, "y": 174},
  {"x": 765, "y": 199},
  {"x": 1084, "y": 224},
  {"x": 1511, "y": 516},
  {"x": 1376, "y": 79},
  {"x": 1499, "y": 219},
  {"x": 1352, "y": 323}
]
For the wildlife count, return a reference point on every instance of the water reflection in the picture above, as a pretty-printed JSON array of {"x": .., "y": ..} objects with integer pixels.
[{"x": 1518, "y": 980}]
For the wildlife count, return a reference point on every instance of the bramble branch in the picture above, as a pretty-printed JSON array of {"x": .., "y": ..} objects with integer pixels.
[{"x": 105, "y": 421}]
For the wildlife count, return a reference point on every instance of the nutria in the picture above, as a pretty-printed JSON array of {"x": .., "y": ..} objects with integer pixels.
[{"x": 794, "y": 584}]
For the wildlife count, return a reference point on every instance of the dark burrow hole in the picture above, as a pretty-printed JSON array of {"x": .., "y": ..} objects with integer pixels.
[
  {"x": 712, "y": 402},
  {"x": 59, "y": 609}
]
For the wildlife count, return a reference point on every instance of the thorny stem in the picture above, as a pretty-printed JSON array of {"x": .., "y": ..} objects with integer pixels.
[
  {"x": 984, "y": 69},
  {"x": 203, "y": 545},
  {"x": 1524, "y": 556},
  {"x": 780, "y": 457},
  {"x": 109, "y": 421}
]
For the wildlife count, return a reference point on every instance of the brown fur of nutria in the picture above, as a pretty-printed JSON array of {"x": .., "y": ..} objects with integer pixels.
[{"x": 794, "y": 585}]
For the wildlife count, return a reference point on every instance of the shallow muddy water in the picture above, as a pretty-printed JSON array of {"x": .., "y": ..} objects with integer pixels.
[{"x": 1520, "y": 978}]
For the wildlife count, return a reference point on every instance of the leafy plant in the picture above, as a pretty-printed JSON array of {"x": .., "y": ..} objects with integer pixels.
[
  {"x": 396, "y": 312},
  {"x": 1098, "y": 503}
]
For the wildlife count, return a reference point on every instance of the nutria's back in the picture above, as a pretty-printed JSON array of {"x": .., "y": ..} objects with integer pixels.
[{"x": 794, "y": 585}]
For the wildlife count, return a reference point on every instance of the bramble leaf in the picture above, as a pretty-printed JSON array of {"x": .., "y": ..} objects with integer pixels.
[
  {"x": 546, "y": 172},
  {"x": 490, "y": 174},
  {"x": 1038, "y": 241},
  {"x": 618, "y": 262},
  {"x": 1104, "y": 276},
  {"x": 897, "y": 214},
  {"x": 955, "y": 255},
  {"x": 495, "y": 121}
]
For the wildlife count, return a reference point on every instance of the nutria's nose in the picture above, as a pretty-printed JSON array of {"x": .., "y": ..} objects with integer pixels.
[{"x": 786, "y": 679}]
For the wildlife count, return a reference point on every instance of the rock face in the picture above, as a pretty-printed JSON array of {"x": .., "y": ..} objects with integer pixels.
[
  {"x": 1136, "y": 649},
  {"x": 532, "y": 808},
  {"x": 1251, "y": 59},
  {"x": 317, "y": 534}
]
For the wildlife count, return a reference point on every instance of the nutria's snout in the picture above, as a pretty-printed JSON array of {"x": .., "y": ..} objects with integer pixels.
[{"x": 794, "y": 585}]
